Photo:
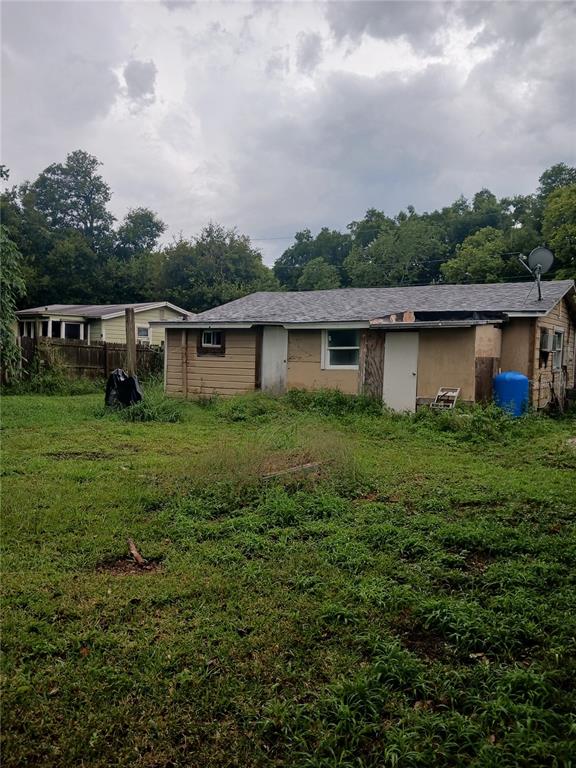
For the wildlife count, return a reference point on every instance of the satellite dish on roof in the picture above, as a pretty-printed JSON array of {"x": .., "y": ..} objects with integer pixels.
[{"x": 540, "y": 259}]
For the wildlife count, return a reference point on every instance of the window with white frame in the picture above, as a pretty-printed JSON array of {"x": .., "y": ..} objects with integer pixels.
[
  {"x": 341, "y": 349},
  {"x": 212, "y": 339},
  {"x": 143, "y": 334},
  {"x": 557, "y": 347}
]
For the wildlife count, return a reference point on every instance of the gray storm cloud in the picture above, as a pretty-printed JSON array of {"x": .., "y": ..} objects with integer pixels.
[
  {"x": 260, "y": 120},
  {"x": 140, "y": 78},
  {"x": 418, "y": 21},
  {"x": 309, "y": 53}
]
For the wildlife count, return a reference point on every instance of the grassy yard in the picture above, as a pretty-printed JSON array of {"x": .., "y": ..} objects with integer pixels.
[{"x": 410, "y": 601}]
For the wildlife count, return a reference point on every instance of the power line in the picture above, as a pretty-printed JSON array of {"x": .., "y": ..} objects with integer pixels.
[{"x": 286, "y": 237}]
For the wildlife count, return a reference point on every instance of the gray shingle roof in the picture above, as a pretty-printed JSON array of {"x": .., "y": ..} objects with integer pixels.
[
  {"x": 88, "y": 310},
  {"x": 363, "y": 304}
]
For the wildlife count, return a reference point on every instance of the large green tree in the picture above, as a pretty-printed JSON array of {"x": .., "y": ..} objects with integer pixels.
[
  {"x": 73, "y": 195},
  {"x": 463, "y": 218},
  {"x": 554, "y": 178},
  {"x": 368, "y": 228},
  {"x": 478, "y": 259},
  {"x": 408, "y": 254},
  {"x": 559, "y": 229},
  {"x": 12, "y": 287},
  {"x": 139, "y": 232},
  {"x": 318, "y": 275},
  {"x": 72, "y": 272},
  {"x": 329, "y": 245},
  {"x": 33, "y": 238},
  {"x": 217, "y": 266}
]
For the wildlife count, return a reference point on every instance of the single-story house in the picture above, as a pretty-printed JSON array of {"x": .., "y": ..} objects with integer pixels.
[
  {"x": 398, "y": 344},
  {"x": 98, "y": 322}
]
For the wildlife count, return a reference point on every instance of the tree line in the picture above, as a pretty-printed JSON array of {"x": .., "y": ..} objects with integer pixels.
[
  {"x": 73, "y": 251},
  {"x": 469, "y": 241}
]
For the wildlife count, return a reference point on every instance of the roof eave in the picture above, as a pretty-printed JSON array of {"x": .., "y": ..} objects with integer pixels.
[{"x": 152, "y": 305}]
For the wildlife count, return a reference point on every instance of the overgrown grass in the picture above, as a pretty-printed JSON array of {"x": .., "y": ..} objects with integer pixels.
[
  {"x": 50, "y": 382},
  {"x": 154, "y": 406},
  {"x": 47, "y": 375},
  {"x": 337, "y": 586}
]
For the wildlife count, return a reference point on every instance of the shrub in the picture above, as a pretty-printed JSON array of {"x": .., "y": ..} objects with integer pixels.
[
  {"x": 478, "y": 423},
  {"x": 331, "y": 402},
  {"x": 249, "y": 407},
  {"x": 48, "y": 376},
  {"x": 154, "y": 406},
  {"x": 151, "y": 410}
]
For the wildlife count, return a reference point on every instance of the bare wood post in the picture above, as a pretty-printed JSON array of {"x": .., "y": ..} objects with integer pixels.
[
  {"x": 184, "y": 358},
  {"x": 105, "y": 359},
  {"x": 135, "y": 554},
  {"x": 130, "y": 342}
]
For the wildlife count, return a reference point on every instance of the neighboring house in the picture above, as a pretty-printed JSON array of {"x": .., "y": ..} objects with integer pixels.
[
  {"x": 398, "y": 344},
  {"x": 102, "y": 322}
]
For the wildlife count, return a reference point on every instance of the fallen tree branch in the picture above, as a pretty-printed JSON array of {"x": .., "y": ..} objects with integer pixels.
[
  {"x": 291, "y": 470},
  {"x": 135, "y": 554}
]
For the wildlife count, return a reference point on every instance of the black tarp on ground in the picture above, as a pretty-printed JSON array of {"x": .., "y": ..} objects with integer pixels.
[{"x": 122, "y": 390}]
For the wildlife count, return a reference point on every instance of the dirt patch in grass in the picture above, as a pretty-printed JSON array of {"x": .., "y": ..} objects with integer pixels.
[
  {"x": 280, "y": 463},
  {"x": 368, "y": 497},
  {"x": 126, "y": 566},
  {"x": 84, "y": 455},
  {"x": 425, "y": 644},
  {"x": 92, "y": 455},
  {"x": 418, "y": 640},
  {"x": 477, "y": 562}
]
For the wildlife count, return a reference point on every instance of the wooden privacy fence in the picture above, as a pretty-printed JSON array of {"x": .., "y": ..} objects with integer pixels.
[{"x": 96, "y": 359}]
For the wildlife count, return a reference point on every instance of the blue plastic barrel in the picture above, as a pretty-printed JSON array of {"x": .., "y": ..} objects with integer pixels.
[{"x": 511, "y": 392}]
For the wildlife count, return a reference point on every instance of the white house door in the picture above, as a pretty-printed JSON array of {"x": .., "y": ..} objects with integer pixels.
[
  {"x": 400, "y": 371},
  {"x": 274, "y": 359}
]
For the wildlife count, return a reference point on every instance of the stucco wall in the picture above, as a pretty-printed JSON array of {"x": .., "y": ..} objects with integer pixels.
[
  {"x": 304, "y": 371},
  {"x": 446, "y": 358},
  {"x": 488, "y": 341},
  {"x": 115, "y": 328},
  {"x": 228, "y": 374},
  {"x": 515, "y": 354}
]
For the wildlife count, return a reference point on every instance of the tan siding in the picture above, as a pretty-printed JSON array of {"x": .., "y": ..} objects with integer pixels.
[
  {"x": 446, "y": 358},
  {"x": 543, "y": 375},
  {"x": 304, "y": 371},
  {"x": 173, "y": 351},
  {"x": 229, "y": 374},
  {"x": 115, "y": 328},
  {"x": 95, "y": 330}
]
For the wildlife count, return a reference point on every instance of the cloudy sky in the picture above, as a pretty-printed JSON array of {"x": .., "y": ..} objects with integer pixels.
[{"x": 273, "y": 117}]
